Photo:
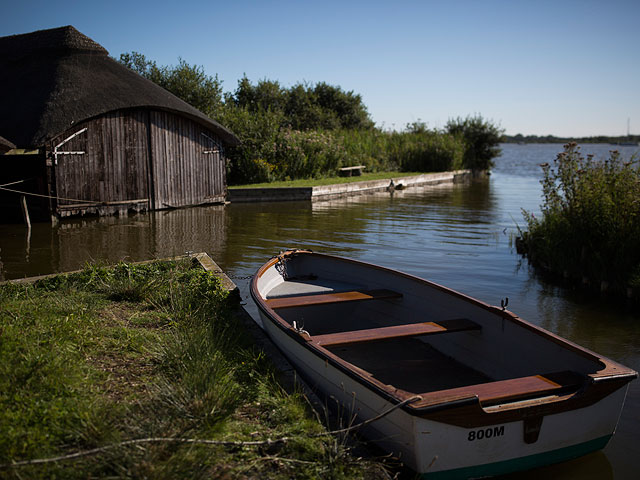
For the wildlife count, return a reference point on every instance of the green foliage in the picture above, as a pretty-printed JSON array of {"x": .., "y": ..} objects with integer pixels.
[
  {"x": 309, "y": 130},
  {"x": 482, "y": 138},
  {"x": 264, "y": 96},
  {"x": 307, "y": 154},
  {"x": 340, "y": 109},
  {"x": 254, "y": 159},
  {"x": 303, "y": 107},
  {"x": 417, "y": 149},
  {"x": 189, "y": 82},
  {"x": 590, "y": 225},
  {"x": 426, "y": 151}
]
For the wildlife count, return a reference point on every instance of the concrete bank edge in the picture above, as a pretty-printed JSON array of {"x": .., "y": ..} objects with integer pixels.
[{"x": 326, "y": 192}]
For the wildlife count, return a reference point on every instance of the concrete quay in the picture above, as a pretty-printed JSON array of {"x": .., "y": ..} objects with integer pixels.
[{"x": 326, "y": 192}]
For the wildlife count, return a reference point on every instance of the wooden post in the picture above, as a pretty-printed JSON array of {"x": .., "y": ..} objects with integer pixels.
[{"x": 25, "y": 211}]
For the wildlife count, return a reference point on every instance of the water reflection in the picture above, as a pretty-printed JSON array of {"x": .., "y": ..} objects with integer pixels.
[{"x": 73, "y": 243}]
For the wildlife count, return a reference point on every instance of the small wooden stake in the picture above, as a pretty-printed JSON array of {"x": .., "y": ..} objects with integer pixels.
[{"x": 25, "y": 211}]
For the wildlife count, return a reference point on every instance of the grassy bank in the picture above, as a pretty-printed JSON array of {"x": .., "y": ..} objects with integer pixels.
[
  {"x": 590, "y": 226},
  {"x": 315, "y": 182},
  {"x": 146, "y": 353}
]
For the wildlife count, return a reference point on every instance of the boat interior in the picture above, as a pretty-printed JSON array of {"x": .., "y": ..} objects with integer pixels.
[{"x": 418, "y": 341}]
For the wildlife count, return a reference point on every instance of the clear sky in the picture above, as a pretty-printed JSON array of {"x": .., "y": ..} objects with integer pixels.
[{"x": 566, "y": 68}]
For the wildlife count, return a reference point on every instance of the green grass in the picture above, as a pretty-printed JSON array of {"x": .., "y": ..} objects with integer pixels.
[
  {"x": 137, "y": 351},
  {"x": 315, "y": 182}
]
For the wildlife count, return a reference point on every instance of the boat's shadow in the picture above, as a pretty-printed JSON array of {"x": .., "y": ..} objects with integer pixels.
[{"x": 595, "y": 466}]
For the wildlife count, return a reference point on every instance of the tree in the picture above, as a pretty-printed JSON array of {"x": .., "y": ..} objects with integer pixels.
[
  {"x": 482, "y": 138},
  {"x": 347, "y": 107},
  {"x": 188, "y": 82}
]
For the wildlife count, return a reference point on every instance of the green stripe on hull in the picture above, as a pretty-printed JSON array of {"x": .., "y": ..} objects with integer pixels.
[{"x": 522, "y": 463}]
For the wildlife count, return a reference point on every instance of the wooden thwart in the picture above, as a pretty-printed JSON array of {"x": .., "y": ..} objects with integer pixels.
[
  {"x": 327, "y": 298},
  {"x": 396, "y": 331},
  {"x": 513, "y": 389}
]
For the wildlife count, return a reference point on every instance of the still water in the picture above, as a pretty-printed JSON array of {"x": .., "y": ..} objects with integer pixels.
[{"x": 461, "y": 236}]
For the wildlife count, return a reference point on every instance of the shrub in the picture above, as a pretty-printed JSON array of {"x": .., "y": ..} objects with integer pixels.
[
  {"x": 307, "y": 154},
  {"x": 482, "y": 138},
  {"x": 253, "y": 161},
  {"x": 590, "y": 225}
]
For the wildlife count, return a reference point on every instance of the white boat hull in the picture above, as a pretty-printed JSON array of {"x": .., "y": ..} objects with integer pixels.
[
  {"x": 494, "y": 394},
  {"x": 439, "y": 450}
]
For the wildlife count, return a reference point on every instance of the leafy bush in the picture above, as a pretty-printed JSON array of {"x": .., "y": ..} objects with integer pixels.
[
  {"x": 252, "y": 161},
  {"x": 307, "y": 154},
  {"x": 590, "y": 225},
  {"x": 482, "y": 138}
]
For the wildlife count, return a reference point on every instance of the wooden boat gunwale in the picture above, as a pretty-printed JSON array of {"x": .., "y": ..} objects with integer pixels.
[{"x": 462, "y": 407}]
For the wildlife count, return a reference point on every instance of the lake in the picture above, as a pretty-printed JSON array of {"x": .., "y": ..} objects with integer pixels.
[{"x": 461, "y": 236}]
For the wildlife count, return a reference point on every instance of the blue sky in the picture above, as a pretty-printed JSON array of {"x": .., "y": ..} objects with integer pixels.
[{"x": 567, "y": 68}]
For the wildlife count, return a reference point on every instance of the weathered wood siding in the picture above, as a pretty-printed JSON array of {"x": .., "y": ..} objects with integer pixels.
[
  {"x": 139, "y": 159},
  {"x": 114, "y": 167},
  {"x": 187, "y": 162}
]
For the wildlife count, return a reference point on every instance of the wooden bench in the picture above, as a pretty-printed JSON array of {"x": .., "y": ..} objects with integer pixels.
[
  {"x": 395, "y": 331},
  {"x": 328, "y": 298},
  {"x": 355, "y": 171},
  {"x": 513, "y": 389}
]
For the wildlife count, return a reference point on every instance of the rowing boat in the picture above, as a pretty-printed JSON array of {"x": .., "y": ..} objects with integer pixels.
[{"x": 471, "y": 389}]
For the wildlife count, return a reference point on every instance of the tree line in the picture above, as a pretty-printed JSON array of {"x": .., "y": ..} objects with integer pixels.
[
  {"x": 309, "y": 130},
  {"x": 620, "y": 140}
]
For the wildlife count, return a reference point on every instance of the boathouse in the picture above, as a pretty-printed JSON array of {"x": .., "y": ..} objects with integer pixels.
[{"x": 83, "y": 134}]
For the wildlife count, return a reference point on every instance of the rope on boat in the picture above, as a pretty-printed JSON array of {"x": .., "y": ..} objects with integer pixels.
[
  {"x": 283, "y": 257},
  {"x": 197, "y": 441}
]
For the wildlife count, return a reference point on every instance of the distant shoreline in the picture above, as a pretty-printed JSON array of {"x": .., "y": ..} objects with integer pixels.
[{"x": 621, "y": 140}]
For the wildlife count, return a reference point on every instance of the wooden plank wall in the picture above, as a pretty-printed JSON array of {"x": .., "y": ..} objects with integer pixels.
[
  {"x": 183, "y": 165},
  {"x": 183, "y": 174},
  {"x": 115, "y": 164}
]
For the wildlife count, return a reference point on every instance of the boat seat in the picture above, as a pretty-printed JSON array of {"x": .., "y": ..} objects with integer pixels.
[
  {"x": 504, "y": 391},
  {"x": 395, "y": 331},
  {"x": 327, "y": 298}
]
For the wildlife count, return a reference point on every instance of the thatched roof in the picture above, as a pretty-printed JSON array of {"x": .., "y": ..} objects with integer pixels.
[{"x": 53, "y": 79}]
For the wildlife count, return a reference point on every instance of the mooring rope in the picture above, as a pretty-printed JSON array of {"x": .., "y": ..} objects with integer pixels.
[
  {"x": 196, "y": 441},
  {"x": 13, "y": 183},
  {"x": 2, "y": 187},
  {"x": 95, "y": 202}
]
